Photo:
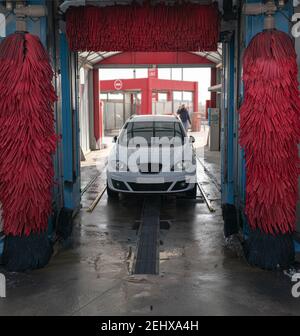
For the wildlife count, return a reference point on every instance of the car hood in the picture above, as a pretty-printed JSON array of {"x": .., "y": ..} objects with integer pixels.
[{"x": 164, "y": 155}]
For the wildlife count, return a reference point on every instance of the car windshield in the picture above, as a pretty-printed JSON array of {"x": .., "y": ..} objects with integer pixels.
[{"x": 148, "y": 130}]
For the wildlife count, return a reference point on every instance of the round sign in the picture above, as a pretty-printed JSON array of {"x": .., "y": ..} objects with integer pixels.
[{"x": 118, "y": 84}]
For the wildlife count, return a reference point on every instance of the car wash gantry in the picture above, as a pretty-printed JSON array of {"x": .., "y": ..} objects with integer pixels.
[{"x": 71, "y": 148}]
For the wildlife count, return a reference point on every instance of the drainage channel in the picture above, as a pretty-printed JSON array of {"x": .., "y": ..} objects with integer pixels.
[{"x": 147, "y": 255}]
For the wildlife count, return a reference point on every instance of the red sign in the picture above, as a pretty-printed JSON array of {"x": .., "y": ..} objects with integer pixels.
[
  {"x": 118, "y": 84},
  {"x": 153, "y": 73}
]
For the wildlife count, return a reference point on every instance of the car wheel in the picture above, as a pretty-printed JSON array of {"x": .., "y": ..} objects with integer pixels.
[
  {"x": 192, "y": 193},
  {"x": 111, "y": 193}
]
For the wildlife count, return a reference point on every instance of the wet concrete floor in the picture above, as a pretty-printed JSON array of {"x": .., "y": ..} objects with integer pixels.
[{"x": 197, "y": 274}]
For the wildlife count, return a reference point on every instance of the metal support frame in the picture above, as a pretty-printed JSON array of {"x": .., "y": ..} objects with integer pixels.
[
  {"x": 70, "y": 127},
  {"x": 227, "y": 122}
]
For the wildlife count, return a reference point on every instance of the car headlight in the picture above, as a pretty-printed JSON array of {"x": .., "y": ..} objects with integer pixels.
[
  {"x": 184, "y": 165},
  {"x": 119, "y": 166},
  {"x": 179, "y": 165}
]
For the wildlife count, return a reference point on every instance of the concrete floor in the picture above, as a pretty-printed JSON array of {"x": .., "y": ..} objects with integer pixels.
[{"x": 198, "y": 274}]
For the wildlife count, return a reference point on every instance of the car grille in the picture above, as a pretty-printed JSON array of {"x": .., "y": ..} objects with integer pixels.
[
  {"x": 150, "y": 168},
  {"x": 150, "y": 187}
]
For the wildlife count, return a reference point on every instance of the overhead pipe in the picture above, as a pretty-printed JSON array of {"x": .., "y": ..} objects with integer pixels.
[
  {"x": 9, "y": 5},
  {"x": 22, "y": 12},
  {"x": 3, "y": 10},
  {"x": 76, "y": 3},
  {"x": 20, "y": 18},
  {"x": 31, "y": 10},
  {"x": 268, "y": 9}
]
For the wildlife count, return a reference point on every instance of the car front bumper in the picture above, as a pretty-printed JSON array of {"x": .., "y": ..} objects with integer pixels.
[{"x": 162, "y": 183}]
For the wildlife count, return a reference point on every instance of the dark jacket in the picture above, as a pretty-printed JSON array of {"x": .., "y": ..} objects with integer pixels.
[{"x": 184, "y": 115}]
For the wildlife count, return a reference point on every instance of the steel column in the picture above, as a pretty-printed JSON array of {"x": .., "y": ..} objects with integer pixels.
[{"x": 70, "y": 127}]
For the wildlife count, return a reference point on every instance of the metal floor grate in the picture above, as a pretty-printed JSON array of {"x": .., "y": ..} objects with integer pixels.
[{"x": 147, "y": 256}]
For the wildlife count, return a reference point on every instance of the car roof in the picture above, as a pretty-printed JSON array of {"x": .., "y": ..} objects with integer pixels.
[{"x": 141, "y": 118}]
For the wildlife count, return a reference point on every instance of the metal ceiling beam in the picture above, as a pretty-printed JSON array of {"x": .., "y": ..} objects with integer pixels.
[{"x": 66, "y": 4}]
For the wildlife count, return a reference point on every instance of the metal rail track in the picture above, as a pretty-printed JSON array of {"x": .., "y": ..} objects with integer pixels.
[
  {"x": 96, "y": 201},
  {"x": 91, "y": 182},
  {"x": 207, "y": 201},
  {"x": 210, "y": 176}
]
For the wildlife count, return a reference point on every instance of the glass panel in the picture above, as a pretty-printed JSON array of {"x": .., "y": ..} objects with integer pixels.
[
  {"x": 164, "y": 73},
  {"x": 103, "y": 96},
  {"x": 109, "y": 74},
  {"x": 177, "y": 95},
  {"x": 162, "y": 96},
  {"x": 176, "y": 73},
  {"x": 141, "y": 73},
  {"x": 187, "y": 96},
  {"x": 115, "y": 96},
  {"x": 148, "y": 129}
]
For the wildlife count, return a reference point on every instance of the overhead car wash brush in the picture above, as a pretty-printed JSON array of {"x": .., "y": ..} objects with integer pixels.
[{"x": 143, "y": 27}]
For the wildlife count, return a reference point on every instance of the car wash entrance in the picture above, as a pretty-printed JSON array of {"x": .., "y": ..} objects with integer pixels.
[
  {"x": 118, "y": 239},
  {"x": 117, "y": 99},
  {"x": 106, "y": 37},
  {"x": 155, "y": 83},
  {"x": 122, "y": 98}
]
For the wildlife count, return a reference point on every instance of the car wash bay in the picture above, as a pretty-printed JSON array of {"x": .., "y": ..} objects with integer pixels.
[{"x": 199, "y": 272}]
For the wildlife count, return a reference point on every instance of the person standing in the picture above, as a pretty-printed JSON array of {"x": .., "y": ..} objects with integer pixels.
[{"x": 184, "y": 117}]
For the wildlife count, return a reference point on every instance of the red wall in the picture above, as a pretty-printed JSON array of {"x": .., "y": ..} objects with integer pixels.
[
  {"x": 213, "y": 81},
  {"x": 157, "y": 58},
  {"x": 147, "y": 85}
]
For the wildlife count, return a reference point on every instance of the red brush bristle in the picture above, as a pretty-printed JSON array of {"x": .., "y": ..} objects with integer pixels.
[
  {"x": 270, "y": 132},
  {"x": 27, "y": 137},
  {"x": 143, "y": 28}
]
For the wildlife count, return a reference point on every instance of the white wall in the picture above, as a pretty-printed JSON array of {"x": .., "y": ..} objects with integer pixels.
[{"x": 84, "y": 117}]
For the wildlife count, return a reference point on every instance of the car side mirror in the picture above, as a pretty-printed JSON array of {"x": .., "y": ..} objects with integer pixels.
[
  {"x": 192, "y": 139},
  {"x": 115, "y": 138}
]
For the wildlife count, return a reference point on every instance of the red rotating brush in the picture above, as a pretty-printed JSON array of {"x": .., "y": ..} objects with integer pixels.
[
  {"x": 269, "y": 134},
  {"x": 182, "y": 27},
  {"x": 27, "y": 142}
]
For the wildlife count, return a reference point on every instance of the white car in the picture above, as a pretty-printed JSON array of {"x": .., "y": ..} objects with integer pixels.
[{"x": 152, "y": 155}]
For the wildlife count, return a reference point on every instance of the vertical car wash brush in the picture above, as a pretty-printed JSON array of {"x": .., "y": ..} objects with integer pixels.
[
  {"x": 27, "y": 143},
  {"x": 269, "y": 135}
]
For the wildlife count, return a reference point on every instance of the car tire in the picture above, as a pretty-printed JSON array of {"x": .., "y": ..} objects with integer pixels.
[
  {"x": 192, "y": 193},
  {"x": 111, "y": 193}
]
